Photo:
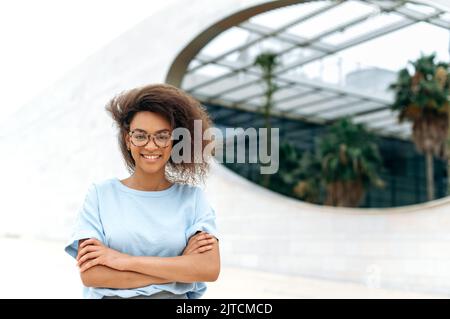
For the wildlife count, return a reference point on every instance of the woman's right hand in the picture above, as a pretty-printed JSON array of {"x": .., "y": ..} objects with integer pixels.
[{"x": 199, "y": 243}]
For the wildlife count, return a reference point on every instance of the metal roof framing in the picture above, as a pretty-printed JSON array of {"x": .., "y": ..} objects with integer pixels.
[{"x": 299, "y": 102}]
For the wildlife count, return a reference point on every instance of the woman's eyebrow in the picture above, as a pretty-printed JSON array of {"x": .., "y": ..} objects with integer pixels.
[{"x": 141, "y": 130}]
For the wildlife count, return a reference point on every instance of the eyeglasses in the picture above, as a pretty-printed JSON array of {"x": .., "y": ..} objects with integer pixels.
[{"x": 141, "y": 139}]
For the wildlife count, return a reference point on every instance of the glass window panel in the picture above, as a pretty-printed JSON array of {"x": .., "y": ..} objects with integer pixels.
[
  {"x": 248, "y": 55},
  {"x": 212, "y": 70},
  {"x": 371, "y": 24},
  {"x": 350, "y": 111},
  {"x": 329, "y": 105},
  {"x": 194, "y": 63},
  {"x": 329, "y": 19},
  {"x": 191, "y": 80},
  {"x": 256, "y": 101},
  {"x": 421, "y": 8},
  {"x": 289, "y": 92},
  {"x": 202, "y": 75},
  {"x": 280, "y": 17},
  {"x": 239, "y": 59},
  {"x": 247, "y": 91},
  {"x": 226, "y": 84},
  {"x": 415, "y": 39},
  {"x": 373, "y": 116},
  {"x": 302, "y": 100},
  {"x": 329, "y": 70},
  {"x": 293, "y": 56},
  {"x": 232, "y": 38},
  {"x": 445, "y": 17}
]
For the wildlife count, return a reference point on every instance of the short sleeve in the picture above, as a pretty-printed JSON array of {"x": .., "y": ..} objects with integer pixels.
[
  {"x": 205, "y": 216},
  {"x": 88, "y": 224}
]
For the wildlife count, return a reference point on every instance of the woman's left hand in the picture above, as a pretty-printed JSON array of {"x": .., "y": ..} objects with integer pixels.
[{"x": 93, "y": 252}]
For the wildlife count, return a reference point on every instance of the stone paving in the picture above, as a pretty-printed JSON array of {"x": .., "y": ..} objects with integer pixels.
[{"x": 40, "y": 269}]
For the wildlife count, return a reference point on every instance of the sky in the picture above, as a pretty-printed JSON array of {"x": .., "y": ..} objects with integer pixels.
[{"x": 42, "y": 40}]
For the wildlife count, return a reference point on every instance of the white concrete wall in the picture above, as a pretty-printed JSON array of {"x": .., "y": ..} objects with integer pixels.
[
  {"x": 62, "y": 141},
  {"x": 404, "y": 248}
]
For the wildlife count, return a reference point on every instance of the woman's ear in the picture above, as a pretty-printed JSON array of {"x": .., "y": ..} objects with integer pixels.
[{"x": 127, "y": 140}]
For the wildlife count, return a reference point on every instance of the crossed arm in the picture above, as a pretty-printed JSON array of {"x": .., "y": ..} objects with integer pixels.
[{"x": 101, "y": 266}]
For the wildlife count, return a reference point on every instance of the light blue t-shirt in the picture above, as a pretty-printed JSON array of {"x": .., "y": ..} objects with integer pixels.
[{"x": 143, "y": 223}]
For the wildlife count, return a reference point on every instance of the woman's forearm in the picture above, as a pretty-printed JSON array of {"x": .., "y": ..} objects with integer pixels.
[
  {"x": 120, "y": 270},
  {"x": 187, "y": 268},
  {"x": 104, "y": 277}
]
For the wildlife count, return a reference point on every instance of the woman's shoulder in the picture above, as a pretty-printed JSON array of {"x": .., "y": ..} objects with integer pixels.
[
  {"x": 101, "y": 184},
  {"x": 194, "y": 192},
  {"x": 105, "y": 182},
  {"x": 187, "y": 189}
]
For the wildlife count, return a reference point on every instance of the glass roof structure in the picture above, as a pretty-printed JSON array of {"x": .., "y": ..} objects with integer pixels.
[{"x": 336, "y": 59}]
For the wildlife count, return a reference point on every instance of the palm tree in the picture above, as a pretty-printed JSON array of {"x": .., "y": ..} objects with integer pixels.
[
  {"x": 350, "y": 162},
  {"x": 422, "y": 97},
  {"x": 267, "y": 62},
  {"x": 309, "y": 183},
  {"x": 344, "y": 163},
  {"x": 298, "y": 175}
]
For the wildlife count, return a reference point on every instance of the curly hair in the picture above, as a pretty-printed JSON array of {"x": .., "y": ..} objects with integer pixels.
[{"x": 179, "y": 108}]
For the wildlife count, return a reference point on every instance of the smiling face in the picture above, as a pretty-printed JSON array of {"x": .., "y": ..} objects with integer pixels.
[{"x": 150, "y": 158}]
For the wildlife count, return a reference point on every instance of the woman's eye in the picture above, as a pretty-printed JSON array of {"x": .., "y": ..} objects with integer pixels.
[
  {"x": 140, "y": 137},
  {"x": 163, "y": 137}
]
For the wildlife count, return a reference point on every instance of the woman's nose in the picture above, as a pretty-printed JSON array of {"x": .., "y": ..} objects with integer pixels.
[{"x": 151, "y": 145}]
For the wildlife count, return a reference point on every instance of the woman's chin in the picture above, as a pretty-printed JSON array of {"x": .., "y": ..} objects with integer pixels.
[{"x": 151, "y": 168}]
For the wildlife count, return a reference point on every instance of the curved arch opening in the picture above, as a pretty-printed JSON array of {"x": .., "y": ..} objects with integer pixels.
[{"x": 317, "y": 87}]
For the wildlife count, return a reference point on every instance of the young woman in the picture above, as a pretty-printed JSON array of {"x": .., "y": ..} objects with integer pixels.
[{"x": 153, "y": 234}]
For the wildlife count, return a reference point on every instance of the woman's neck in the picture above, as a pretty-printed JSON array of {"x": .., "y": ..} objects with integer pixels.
[{"x": 147, "y": 182}]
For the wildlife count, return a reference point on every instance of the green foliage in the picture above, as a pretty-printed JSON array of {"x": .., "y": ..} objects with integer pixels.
[
  {"x": 268, "y": 61},
  {"x": 308, "y": 186},
  {"x": 348, "y": 152},
  {"x": 422, "y": 97},
  {"x": 298, "y": 175},
  {"x": 424, "y": 88}
]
